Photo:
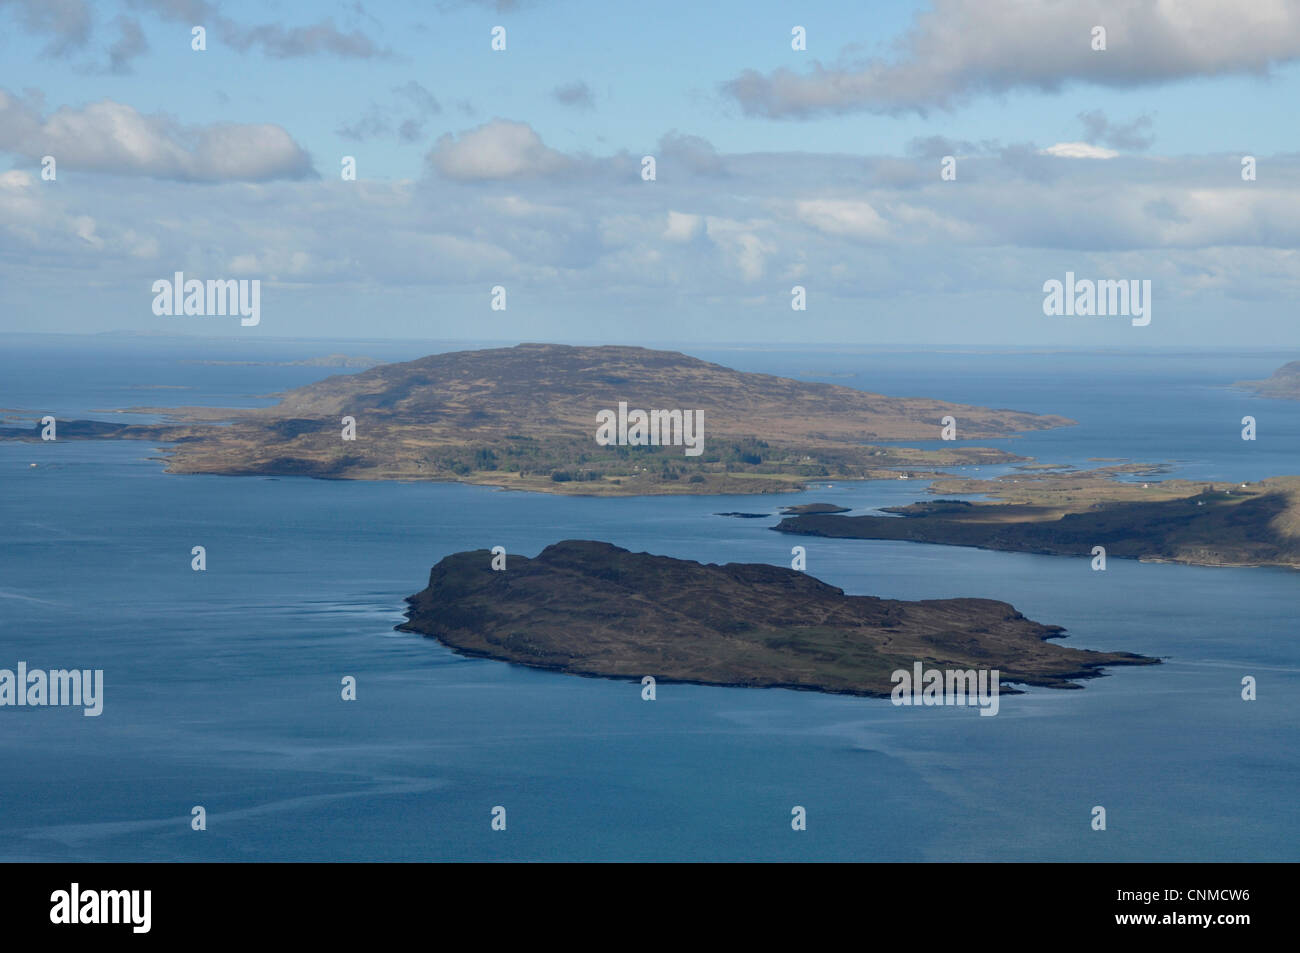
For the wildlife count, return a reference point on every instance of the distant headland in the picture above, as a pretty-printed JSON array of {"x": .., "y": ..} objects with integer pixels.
[
  {"x": 1283, "y": 384},
  {"x": 1069, "y": 513}
]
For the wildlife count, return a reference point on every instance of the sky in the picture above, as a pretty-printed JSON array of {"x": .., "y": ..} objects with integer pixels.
[{"x": 523, "y": 168}]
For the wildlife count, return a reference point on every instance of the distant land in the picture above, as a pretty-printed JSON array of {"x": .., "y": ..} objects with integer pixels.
[
  {"x": 590, "y": 608},
  {"x": 1283, "y": 384},
  {"x": 525, "y": 417},
  {"x": 804, "y": 509},
  {"x": 330, "y": 360},
  {"x": 1066, "y": 514}
]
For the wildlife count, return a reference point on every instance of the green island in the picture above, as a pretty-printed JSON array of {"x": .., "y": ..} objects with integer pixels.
[
  {"x": 590, "y": 608},
  {"x": 525, "y": 418},
  {"x": 1067, "y": 513}
]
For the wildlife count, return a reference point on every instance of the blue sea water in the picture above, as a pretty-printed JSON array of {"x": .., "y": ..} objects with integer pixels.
[{"x": 223, "y": 688}]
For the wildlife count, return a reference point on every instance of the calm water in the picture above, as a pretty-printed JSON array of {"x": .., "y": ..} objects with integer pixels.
[{"x": 222, "y": 688}]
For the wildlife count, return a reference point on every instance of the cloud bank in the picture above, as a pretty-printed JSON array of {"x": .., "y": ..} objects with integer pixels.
[{"x": 961, "y": 49}]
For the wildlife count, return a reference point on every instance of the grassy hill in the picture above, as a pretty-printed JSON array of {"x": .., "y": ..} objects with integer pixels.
[{"x": 525, "y": 417}]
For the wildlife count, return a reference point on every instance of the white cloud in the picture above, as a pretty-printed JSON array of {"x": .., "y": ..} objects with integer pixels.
[
  {"x": 850, "y": 219},
  {"x": 739, "y": 241},
  {"x": 517, "y": 206},
  {"x": 84, "y": 226},
  {"x": 681, "y": 227},
  {"x": 683, "y": 240},
  {"x": 1078, "y": 150},
  {"x": 499, "y": 149},
  {"x": 15, "y": 179},
  {"x": 111, "y": 137}
]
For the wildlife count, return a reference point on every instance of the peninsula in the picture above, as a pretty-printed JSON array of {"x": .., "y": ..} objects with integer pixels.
[
  {"x": 1284, "y": 383},
  {"x": 1067, "y": 513},
  {"x": 590, "y": 608},
  {"x": 527, "y": 417}
]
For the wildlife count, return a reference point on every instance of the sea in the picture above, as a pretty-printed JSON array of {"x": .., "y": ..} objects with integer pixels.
[{"x": 222, "y": 688}]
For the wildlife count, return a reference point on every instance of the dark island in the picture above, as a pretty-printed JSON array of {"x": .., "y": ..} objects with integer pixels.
[
  {"x": 526, "y": 417},
  {"x": 590, "y": 608},
  {"x": 807, "y": 509},
  {"x": 1067, "y": 514}
]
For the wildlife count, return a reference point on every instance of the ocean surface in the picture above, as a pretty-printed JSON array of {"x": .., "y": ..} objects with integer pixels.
[{"x": 222, "y": 688}]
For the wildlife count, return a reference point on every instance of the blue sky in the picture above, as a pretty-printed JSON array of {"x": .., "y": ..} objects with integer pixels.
[{"x": 776, "y": 167}]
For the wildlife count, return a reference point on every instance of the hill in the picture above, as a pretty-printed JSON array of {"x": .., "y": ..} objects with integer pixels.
[
  {"x": 1284, "y": 383},
  {"x": 526, "y": 417},
  {"x": 591, "y": 608}
]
